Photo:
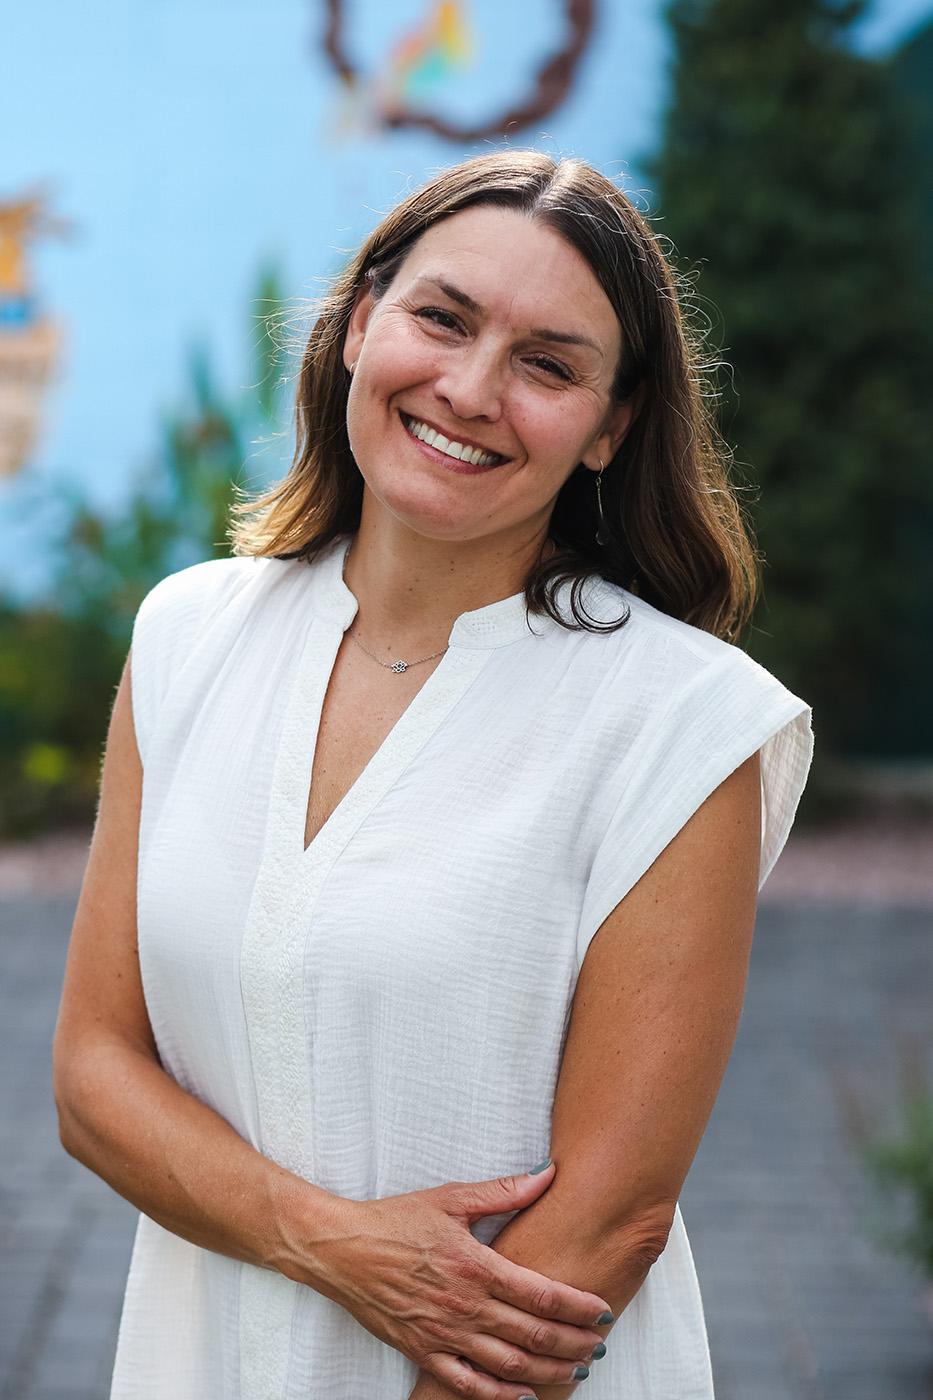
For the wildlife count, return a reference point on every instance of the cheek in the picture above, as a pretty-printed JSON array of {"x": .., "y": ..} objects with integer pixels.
[
  {"x": 399, "y": 352},
  {"x": 552, "y": 427}
]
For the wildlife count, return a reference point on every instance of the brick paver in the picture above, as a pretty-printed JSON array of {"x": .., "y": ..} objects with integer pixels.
[{"x": 800, "y": 1303}]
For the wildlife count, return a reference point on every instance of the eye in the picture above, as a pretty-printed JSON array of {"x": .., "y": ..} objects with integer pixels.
[
  {"x": 551, "y": 366},
  {"x": 445, "y": 319}
]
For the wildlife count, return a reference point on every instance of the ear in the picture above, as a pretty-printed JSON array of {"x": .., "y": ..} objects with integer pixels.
[
  {"x": 356, "y": 326},
  {"x": 621, "y": 417}
]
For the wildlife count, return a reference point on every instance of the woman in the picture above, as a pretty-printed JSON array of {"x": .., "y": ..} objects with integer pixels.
[{"x": 449, "y": 798}]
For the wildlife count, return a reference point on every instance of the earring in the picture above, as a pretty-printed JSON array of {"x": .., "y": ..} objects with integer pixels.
[{"x": 601, "y": 537}]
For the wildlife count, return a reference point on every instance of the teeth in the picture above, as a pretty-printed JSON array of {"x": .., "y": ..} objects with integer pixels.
[{"x": 474, "y": 455}]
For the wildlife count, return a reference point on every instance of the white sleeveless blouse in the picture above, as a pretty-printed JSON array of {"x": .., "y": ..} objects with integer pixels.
[{"x": 386, "y": 1011}]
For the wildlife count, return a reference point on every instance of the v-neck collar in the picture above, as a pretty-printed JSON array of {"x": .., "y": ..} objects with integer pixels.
[
  {"x": 493, "y": 625},
  {"x": 331, "y": 609}
]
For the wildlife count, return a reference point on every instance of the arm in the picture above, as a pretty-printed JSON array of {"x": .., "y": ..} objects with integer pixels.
[
  {"x": 119, "y": 1112},
  {"x": 654, "y": 1017}
]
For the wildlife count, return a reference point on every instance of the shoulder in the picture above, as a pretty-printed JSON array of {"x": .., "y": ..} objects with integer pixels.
[
  {"x": 186, "y": 621},
  {"x": 662, "y": 656},
  {"x": 200, "y": 586},
  {"x": 185, "y": 606},
  {"x": 190, "y": 599},
  {"x": 656, "y": 629},
  {"x": 665, "y": 688}
]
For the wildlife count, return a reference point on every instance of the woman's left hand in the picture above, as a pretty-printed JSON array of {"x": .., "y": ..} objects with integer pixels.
[{"x": 428, "y": 1387}]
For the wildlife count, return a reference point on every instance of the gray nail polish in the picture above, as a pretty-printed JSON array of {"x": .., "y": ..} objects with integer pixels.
[
  {"x": 581, "y": 1373},
  {"x": 542, "y": 1166},
  {"x": 599, "y": 1351},
  {"x": 604, "y": 1320}
]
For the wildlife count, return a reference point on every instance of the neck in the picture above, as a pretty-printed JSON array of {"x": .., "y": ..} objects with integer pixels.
[{"x": 411, "y": 589}]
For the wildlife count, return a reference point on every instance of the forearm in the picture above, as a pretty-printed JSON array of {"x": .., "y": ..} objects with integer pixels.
[
  {"x": 182, "y": 1164},
  {"x": 582, "y": 1248}
]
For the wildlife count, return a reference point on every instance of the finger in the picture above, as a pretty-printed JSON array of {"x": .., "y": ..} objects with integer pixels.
[
  {"x": 457, "y": 1373},
  {"x": 540, "y": 1336},
  {"x": 512, "y": 1363},
  {"x": 544, "y": 1297}
]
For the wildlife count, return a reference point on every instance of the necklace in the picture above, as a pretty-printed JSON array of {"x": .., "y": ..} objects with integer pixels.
[{"x": 397, "y": 666}]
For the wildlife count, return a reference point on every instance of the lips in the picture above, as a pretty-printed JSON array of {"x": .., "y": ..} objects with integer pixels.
[{"x": 430, "y": 437}]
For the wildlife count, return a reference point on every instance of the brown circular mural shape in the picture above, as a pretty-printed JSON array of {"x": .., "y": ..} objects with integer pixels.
[{"x": 552, "y": 82}]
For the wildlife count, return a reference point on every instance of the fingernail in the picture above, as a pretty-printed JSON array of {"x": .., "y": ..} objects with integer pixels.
[
  {"x": 542, "y": 1166},
  {"x": 580, "y": 1373},
  {"x": 605, "y": 1320},
  {"x": 599, "y": 1351}
]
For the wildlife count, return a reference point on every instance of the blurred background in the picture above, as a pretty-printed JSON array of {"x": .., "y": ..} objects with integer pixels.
[{"x": 178, "y": 181}]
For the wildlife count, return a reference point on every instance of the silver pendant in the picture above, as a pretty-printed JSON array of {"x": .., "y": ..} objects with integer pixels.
[{"x": 399, "y": 666}]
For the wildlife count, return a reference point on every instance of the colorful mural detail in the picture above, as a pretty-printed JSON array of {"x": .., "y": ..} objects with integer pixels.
[
  {"x": 30, "y": 342},
  {"x": 420, "y": 60}
]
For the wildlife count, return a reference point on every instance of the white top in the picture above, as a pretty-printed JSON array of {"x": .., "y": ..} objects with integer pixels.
[{"x": 386, "y": 1011}]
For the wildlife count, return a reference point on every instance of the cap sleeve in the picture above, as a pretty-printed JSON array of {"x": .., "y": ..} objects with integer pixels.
[{"x": 729, "y": 710}]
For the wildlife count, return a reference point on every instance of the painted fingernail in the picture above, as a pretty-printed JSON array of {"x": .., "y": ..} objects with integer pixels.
[
  {"x": 542, "y": 1166},
  {"x": 580, "y": 1373},
  {"x": 605, "y": 1320},
  {"x": 599, "y": 1351}
]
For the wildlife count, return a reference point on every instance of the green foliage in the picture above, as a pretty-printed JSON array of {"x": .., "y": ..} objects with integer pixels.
[
  {"x": 785, "y": 177},
  {"x": 60, "y": 661},
  {"x": 902, "y": 1169},
  {"x": 898, "y": 1162}
]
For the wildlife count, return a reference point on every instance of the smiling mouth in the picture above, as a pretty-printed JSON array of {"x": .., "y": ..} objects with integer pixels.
[{"x": 461, "y": 452}]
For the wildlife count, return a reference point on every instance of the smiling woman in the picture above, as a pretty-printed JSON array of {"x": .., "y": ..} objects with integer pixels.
[
  {"x": 666, "y": 523},
  {"x": 431, "y": 827}
]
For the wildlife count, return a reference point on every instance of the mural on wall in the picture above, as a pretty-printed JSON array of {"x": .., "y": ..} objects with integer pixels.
[
  {"x": 426, "y": 70},
  {"x": 30, "y": 342}
]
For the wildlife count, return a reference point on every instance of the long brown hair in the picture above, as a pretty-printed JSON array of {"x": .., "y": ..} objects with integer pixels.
[{"x": 676, "y": 533}]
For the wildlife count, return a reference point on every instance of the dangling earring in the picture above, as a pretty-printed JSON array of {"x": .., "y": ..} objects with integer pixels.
[{"x": 601, "y": 537}]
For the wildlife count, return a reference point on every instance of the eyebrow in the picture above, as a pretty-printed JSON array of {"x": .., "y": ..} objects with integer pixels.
[{"x": 461, "y": 297}]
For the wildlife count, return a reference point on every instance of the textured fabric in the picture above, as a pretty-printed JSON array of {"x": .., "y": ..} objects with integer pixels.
[{"x": 386, "y": 1011}]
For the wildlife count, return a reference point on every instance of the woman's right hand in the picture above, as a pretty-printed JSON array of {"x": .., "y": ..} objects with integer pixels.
[{"x": 410, "y": 1272}]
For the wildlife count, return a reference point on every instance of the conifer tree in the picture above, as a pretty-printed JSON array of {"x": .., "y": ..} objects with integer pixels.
[{"x": 783, "y": 179}]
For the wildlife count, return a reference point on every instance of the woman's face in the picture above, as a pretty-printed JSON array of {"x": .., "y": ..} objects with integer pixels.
[{"x": 496, "y": 334}]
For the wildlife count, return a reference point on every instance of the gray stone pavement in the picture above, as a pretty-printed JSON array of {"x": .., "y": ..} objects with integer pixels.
[{"x": 800, "y": 1303}]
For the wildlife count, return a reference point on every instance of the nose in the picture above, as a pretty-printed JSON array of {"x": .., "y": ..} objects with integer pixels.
[{"x": 471, "y": 383}]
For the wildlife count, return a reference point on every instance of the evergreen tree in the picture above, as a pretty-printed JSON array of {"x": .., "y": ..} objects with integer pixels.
[
  {"x": 784, "y": 181},
  {"x": 911, "y": 70}
]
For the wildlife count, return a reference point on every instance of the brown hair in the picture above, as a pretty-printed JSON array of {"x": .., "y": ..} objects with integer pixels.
[{"x": 676, "y": 533}]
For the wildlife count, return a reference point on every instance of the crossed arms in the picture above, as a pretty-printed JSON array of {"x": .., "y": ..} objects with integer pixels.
[{"x": 654, "y": 1017}]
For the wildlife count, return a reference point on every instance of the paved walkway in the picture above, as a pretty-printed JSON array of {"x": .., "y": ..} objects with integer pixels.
[{"x": 800, "y": 1304}]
